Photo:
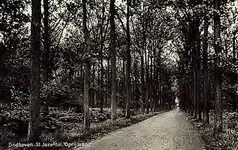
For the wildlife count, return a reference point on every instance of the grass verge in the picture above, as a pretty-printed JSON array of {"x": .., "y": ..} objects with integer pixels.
[
  {"x": 73, "y": 133},
  {"x": 98, "y": 130}
]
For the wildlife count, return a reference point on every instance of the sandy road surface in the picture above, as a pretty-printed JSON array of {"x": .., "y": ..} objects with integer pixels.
[{"x": 166, "y": 131}]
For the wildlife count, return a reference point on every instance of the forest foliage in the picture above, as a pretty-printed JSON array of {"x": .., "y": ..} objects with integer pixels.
[{"x": 139, "y": 55}]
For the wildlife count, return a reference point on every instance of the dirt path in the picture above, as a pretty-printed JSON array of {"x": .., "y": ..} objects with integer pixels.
[{"x": 166, "y": 131}]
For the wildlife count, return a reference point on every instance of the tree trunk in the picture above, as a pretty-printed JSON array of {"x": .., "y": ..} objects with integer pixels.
[
  {"x": 113, "y": 60},
  {"x": 46, "y": 41},
  {"x": 46, "y": 53},
  {"x": 205, "y": 70},
  {"x": 142, "y": 83},
  {"x": 147, "y": 80},
  {"x": 217, "y": 73},
  {"x": 198, "y": 71},
  {"x": 101, "y": 59},
  {"x": 128, "y": 65},
  {"x": 156, "y": 80},
  {"x": 86, "y": 124},
  {"x": 34, "y": 107},
  {"x": 160, "y": 90},
  {"x": 234, "y": 77},
  {"x": 194, "y": 72},
  {"x": 108, "y": 83}
]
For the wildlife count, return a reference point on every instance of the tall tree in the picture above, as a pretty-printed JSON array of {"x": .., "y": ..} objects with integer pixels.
[
  {"x": 101, "y": 57},
  {"x": 143, "y": 62},
  {"x": 234, "y": 60},
  {"x": 46, "y": 40},
  {"x": 128, "y": 64},
  {"x": 217, "y": 69},
  {"x": 86, "y": 123},
  {"x": 86, "y": 68},
  {"x": 46, "y": 54},
  {"x": 34, "y": 108},
  {"x": 205, "y": 68},
  {"x": 113, "y": 60}
]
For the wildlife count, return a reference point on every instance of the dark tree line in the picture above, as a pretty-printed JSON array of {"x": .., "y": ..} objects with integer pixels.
[
  {"x": 83, "y": 55},
  {"x": 203, "y": 62}
]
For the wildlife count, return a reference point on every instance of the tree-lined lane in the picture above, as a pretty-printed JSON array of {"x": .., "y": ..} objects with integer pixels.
[{"x": 166, "y": 131}]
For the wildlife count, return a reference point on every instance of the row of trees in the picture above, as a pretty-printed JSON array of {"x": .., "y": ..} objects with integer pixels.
[
  {"x": 87, "y": 54},
  {"x": 101, "y": 55},
  {"x": 207, "y": 74}
]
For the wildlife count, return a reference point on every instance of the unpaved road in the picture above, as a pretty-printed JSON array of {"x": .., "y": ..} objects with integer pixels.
[{"x": 166, "y": 131}]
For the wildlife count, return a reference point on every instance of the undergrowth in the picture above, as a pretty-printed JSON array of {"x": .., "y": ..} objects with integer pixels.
[
  {"x": 67, "y": 127},
  {"x": 227, "y": 139},
  {"x": 98, "y": 130}
]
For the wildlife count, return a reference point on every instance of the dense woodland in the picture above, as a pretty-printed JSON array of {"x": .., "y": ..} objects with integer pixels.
[{"x": 102, "y": 60}]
